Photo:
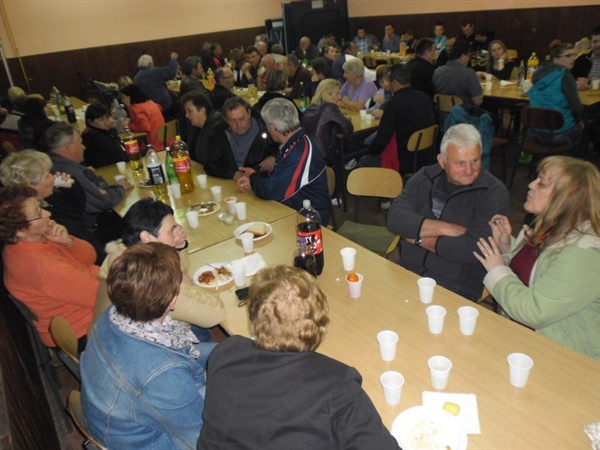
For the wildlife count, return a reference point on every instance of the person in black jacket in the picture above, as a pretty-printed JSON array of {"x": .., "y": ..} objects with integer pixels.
[
  {"x": 422, "y": 68},
  {"x": 299, "y": 399},
  {"x": 204, "y": 119},
  {"x": 103, "y": 145},
  {"x": 224, "y": 82},
  {"x": 33, "y": 125}
]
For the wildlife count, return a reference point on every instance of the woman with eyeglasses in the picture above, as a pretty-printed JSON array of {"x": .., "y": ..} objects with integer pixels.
[
  {"x": 50, "y": 271},
  {"x": 555, "y": 88}
]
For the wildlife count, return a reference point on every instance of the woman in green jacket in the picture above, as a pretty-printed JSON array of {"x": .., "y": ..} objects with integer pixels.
[{"x": 549, "y": 279}]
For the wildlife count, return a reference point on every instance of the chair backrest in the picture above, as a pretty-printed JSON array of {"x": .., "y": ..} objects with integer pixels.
[
  {"x": 374, "y": 182},
  {"x": 542, "y": 118},
  {"x": 422, "y": 139},
  {"x": 167, "y": 132},
  {"x": 9, "y": 147},
  {"x": 396, "y": 60},
  {"x": 511, "y": 54},
  {"x": 369, "y": 62},
  {"x": 330, "y": 180},
  {"x": 445, "y": 102},
  {"x": 76, "y": 413},
  {"x": 64, "y": 336}
]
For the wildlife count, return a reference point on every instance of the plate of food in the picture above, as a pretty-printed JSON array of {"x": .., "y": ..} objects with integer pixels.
[
  {"x": 260, "y": 230},
  {"x": 213, "y": 275},
  {"x": 205, "y": 208},
  {"x": 145, "y": 183},
  {"x": 422, "y": 428}
]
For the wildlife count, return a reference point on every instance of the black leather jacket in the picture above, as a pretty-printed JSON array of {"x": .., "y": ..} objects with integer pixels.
[{"x": 323, "y": 123}]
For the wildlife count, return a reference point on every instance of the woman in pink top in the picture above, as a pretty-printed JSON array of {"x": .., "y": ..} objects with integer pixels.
[{"x": 146, "y": 116}]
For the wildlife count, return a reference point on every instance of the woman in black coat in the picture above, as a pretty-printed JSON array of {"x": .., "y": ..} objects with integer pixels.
[{"x": 103, "y": 145}]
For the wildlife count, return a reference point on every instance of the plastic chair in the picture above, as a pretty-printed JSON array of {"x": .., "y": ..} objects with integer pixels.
[
  {"x": 167, "y": 132},
  {"x": 421, "y": 140},
  {"x": 76, "y": 412},
  {"x": 331, "y": 190},
  {"x": 540, "y": 119},
  {"x": 65, "y": 339},
  {"x": 44, "y": 357},
  {"x": 372, "y": 182}
]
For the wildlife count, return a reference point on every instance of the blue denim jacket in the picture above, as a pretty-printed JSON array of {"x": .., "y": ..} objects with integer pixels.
[{"x": 137, "y": 394}]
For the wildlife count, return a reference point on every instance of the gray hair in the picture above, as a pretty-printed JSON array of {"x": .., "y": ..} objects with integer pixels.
[
  {"x": 26, "y": 167},
  {"x": 282, "y": 114},
  {"x": 59, "y": 134},
  {"x": 145, "y": 61},
  {"x": 354, "y": 66},
  {"x": 460, "y": 135}
]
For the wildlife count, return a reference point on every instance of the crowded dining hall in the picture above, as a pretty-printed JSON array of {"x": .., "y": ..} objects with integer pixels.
[{"x": 309, "y": 224}]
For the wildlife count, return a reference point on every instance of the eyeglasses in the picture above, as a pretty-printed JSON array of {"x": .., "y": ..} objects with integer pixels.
[{"x": 40, "y": 209}]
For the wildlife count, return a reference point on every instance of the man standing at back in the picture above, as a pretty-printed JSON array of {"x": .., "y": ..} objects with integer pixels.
[
  {"x": 152, "y": 80},
  {"x": 444, "y": 209}
]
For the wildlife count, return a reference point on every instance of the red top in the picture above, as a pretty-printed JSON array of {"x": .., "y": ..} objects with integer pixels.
[
  {"x": 147, "y": 117},
  {"x": 522, "y": 263}
]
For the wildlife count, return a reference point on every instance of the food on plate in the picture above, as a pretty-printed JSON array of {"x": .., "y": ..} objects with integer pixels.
[
  {"x": 224, "y": 271},
  {"x": 204, "y": 207},
  {"x": 425, "y": 435},
  {"x": 352, "y": 277},
  {"x": 206, "y": 277},
  {"x": 257, "y": 229},
  {"x": 452, "y": 408}
]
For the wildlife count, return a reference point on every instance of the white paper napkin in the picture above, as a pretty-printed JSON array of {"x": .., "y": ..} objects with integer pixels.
[
  {"x": 469, "y": 414},
  {"x": 252, "y": 263},
  {"x": 506, "y": 83}
]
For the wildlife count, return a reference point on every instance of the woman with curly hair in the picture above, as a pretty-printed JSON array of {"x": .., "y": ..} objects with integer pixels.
[{"x": 548, "y": 279}]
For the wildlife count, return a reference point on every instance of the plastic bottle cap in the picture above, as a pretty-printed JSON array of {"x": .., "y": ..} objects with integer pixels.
[{"x": 306, "y": 203}]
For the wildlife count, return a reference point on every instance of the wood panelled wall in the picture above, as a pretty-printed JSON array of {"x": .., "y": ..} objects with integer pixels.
[{"x": 525, "y": 30}]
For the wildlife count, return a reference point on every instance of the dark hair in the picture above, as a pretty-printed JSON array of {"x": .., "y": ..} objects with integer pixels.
[
  {"x": 143, "y": 281},
  {"x": 35, "y": 107},
  {"x": 292, "y": 60},
  {"x": 12, "y": 217},
  {"x": 96, "y": 111},
  {"x": 214, "y": 46},
  {"x": 347, "y": 45},
  {"x": 439, "y": 23},
  {"x": 360, "y": 27},
  {"x": 424, "y": 45},
  {"x": 277, "y": 49},
  {"x": 321, "y": 66},
  {"x": 234, "y": 103},
  {"x": 467, "y": 22},
  {"x": 487, "y": 33},
  {"x": 135, "y": 93},
  {"x": 251, "y": 49},
  {"x": 382, "y": 72},
  {"x": 198, "y": 99},
  {"x": 277, "y": 80},
  {"x": 400, "y": 73},
  {"x": 190, "y": 63},
  {"x": 146, "y": 214},
  {"x": 56, "y": 134},
  {"x": 460, "y": 47},
  {"x": 219, "y": 73},
  {"x": 557, "y": 50}
]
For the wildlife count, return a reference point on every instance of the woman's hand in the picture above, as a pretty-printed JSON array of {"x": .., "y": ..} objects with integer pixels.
[
  {"x": 378, "y": 98},
  {"x": 492, "y": 256},
  {"x": 501, "y": 231},
  {"x": 179, "y": 236},
  {"x": 59, "y": 234}
]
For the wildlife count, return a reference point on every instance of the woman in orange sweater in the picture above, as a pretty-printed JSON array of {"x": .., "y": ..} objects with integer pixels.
[
  {"x": 146, "y": 116},
  {"x": 50, "y": 271}
]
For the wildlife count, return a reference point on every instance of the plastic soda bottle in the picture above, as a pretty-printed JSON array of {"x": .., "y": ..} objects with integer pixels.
[
  {"x": 183, "y": 166},
  {"x": 70, "y": 111},
  {"x": 521, "y": 74},
  {"x": 133, "y": 151},
  {"x": 170, "y": 168},
  {"x": 532, "y": 65},
  {"x": 308, "y": 232},
  {"x": 156, "y": 175}
]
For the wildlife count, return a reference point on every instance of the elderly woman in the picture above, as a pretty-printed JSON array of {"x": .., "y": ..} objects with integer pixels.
[
  {"x": 324, "y": 121},
  {"x": 103, "y": 145},
  {"x": 294, "y": 398},
  {"x": 498, "y": 64},
  {"x": 356, "y": 90},
  {"x": 146, "y": 116},
  {"x": 548, "y": 278},
  {"x": 50, "y": 271},
  {"x": 143, "y": 374},
  {"x": 555, "y": 88}
]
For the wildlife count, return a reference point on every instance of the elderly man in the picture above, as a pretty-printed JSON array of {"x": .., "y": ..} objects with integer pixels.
[
  {"x": 390, "y": 41},
  {"x": 337, "y": 68},
  {"x": 192, "y": 74},
  {"x": 306, "y": 51},
  {"x": 250, "y": 67},
  {"x": 444, "y": 209},
  {"x": 299, "y": 169},
  {"x": 268, "y": 65},
  {"x": 457, "y": 78},
  {"x": 152, "y": 79},
  {"x": 242, "y": 141},
  {"x": 262, "y": 48},
  {"x": 365, "y": 42},
  {"x": 422, "y": 68},
  {"x": 204, "y": 119},
  {"x": 224, "y": 81},
  {"x": 296, "y": 75}
]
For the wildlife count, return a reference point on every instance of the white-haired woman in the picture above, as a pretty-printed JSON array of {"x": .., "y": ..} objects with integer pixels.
[{"x": 356, "y": 90}]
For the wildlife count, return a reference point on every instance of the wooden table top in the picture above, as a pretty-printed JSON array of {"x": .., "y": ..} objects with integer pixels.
[
  {"x": 561, "y": 397},
  {"x": 512, "y": 92}
]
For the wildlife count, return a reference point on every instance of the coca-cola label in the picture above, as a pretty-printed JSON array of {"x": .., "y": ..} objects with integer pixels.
[
  {"x": 181, "y": 165},
  {"x": 132, "y": 147},
  {"x": 156, "y": 175},
  {"x": 312, "y": 239}
]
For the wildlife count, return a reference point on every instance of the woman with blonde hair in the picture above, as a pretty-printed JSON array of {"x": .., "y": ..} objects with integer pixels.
[
  {"x": 548, "y": 279},
  {"x": 498, "y": 63},
  {"x": 298, "y": 398},
  {"x": 323, "y": 120}
]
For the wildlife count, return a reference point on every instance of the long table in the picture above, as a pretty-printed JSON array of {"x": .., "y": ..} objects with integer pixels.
[
  {"x": 561, "y": 397},
  {"x": 512, "y": 93}
]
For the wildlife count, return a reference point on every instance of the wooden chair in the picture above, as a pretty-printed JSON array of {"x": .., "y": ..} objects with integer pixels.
[
  {"x": 512, "y": 55},
  {"x": 420, "y": 140},
  {"x": 369, "y": 61},
  {"x": 499, "y": 149},
  {"x": 541, "y": 119},
  {"x": 65, "y": 339},
  {"x": 443, "y": 106},
  {"x": 9, "y": 147},
  {"x": 166, "y": 133},
  {"x": 331, "y": 189},
  {"x": 76, "y": 412},
  {"x": 487, "y": 297},
  {"x": 372, "y": 182}
]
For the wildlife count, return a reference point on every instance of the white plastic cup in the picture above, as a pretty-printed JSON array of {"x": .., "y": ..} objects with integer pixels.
[
  {"x": 119, "y": 177},
  {"x": 596, "y": 83},
  {"x": 392, "y": 382},
  {"x": 488, "y": 86},
  {"x": 175, "y": 189},
  {"x": 435, "y": 318},
  {"x": 348, "y": 257},
  {"x": 231, "y": 201},
  {"x": 240, "y": 210},
  {"x": 519, "y": 366},
  {"x": 363, "y": 114},
  {"x": 355, "y": 287},
  {"x": 426, "y": 288},
  {"x": 202, "y": 181},
  {"x": 192, "y": 218},
  {"x": 388, "y": 340},
  {"x": 216, "y": 192},
  {"x": 467, "y": 319},
  {"x": 247, "y": 242},
  {"x": 238, "y": 270},
  {"x": 122, "y": 166},
  {"x": 488, "y": 77},
  {"x": 439, "y": 370},
  {"x": 55, "y": 110}
]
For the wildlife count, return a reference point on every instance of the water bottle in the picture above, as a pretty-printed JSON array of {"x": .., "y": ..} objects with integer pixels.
[
  {"x": 308, "y": 232},
  {"x": 183, "y": 165},
  {"x": 156, "y": 175},
  {"x": 133, "y": 151},
  {"x": 521, "y": 75},
  {"x": 302, "y": 102}
]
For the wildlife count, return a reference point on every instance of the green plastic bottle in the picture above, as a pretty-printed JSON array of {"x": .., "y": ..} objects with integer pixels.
[{"x": 171, "y": 174}]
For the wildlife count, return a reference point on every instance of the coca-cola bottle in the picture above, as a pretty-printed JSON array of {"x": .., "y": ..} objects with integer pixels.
[{"x": 308, "y": 232}]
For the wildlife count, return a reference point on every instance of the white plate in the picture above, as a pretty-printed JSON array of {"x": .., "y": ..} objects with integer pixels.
[
  {"x": 221, "y": 280},
  {"x": 145, "y": 183},
  {"x": 421, "y": 428},
  {"x": 242, "y": 229},
  {"x": 205, "y": 208}
]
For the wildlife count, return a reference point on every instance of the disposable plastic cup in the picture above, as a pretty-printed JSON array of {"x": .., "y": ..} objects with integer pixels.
[
  {"x": 122, "y": 166},
  {"x": 247, "y": 242},
  {"x": 467, "y": 319},
  {"x": 439, "y": 369},
  {"x": 426, "y": 288},
  {"x": 216, "y": 192},
  {"x": 435, "y": 318},
  {"x": 192, "y": 218},
  {"x": 388, "y": 340},
  {"x": 202, "y": 181},
  {"x": 119, "y": 177},
  {"x": 363, "y": 113},
  {"x": 240, "y": 210},
  {"x": 596, "y": 83},
  {"x": 231, "y": 201},
  {"x": 368, "y": 119},
  {"x": 392, "y": 382},
  {"x": 355, "y": 287},
  {"x": 488, "y": 77},
  {"x": 175, "y": 189},
  {"x": 519, "y": 366},
  {"x": 348, "y": 257},
  {"x": 238, "y": 270}
]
